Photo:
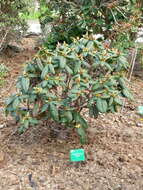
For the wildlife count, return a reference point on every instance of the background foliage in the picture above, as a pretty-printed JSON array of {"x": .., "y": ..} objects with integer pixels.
[
  {"x": 117, "y": 20},
  {"x": 11, "y": 25}
]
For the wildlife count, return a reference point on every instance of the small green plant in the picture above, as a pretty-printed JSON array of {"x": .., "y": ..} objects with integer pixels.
[
  {"x": 3, "y": 73},
  {"x": 57, "y": 85}
]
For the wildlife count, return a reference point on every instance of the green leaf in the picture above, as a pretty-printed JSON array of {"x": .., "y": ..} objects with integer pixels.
[
  {"x": 54, "y": 112},
  {"x": 90, "y": 44},
  {"x": 82, "y": 134},
  {"x": 86, "y": 85},
  {"x": 9, "y": 100},
  {"x": 35, "y": 109},
  {"x": 68, "y": 115},
  {"x": 30, "y": 67},
  {"x": 102, "y": 105},
  {"x": 73, "y": 97},
  {"x": 21, "y": 129},
  {"x": 51, "y": 68},
  {"x": 105, "y": 96},
  {"x": 63, "y": 120},
  {"x": 44, "y": 83},
  {"x": 33, "y": 121},
  {"x": 85, "y": 63},
  {"x": 108, "y": 66},
  {"x": 79, "y": 119},
  {"x": 9, "y": 109},
  {"x": 123, "y": 59},
  {"x": 32, "y": 97},
  {"x": 122, "y": 83},
  {"x": 39, "y": 63},
  {"x": 110, "y": 83},
  {"x": 112, "y": 108},
  {"x": 127, "y": 94},
  {"x": 68, "y": 69},
  {"x": 32, "y": 75},
  {"x": 77, "y": 67},
  {"x": 99, "y": 91},
  {"x": 24, "y": 127},
  {"x": 117, "y": 100},
  {"x": 44, "y": 108},
  {"x": 45, "y": 72},
  {"x": 25, "y": 84},
  {"x": 16, "y": 103},
  {"x": 62, "y": 61},
  {"x": 26, "y": 124},
  {"x": 96, "y": 86},
  {"x": 111, "y": 101}
]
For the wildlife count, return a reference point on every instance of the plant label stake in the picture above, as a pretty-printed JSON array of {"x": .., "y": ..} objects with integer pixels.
[{"x": 77, "y": 155}]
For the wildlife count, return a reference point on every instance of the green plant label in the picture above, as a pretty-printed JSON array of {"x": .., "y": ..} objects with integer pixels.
[
  {"x": 77, "y": 155},
  {"x": 140, "y": 110}
]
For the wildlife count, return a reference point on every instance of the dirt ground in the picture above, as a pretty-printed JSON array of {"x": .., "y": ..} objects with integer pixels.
[{"x": 35, "y": 161}]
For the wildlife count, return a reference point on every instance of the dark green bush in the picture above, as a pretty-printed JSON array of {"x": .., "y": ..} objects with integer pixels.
[
  {"x": 117, "y": 20},
  {"x": 57, "y": 85}
]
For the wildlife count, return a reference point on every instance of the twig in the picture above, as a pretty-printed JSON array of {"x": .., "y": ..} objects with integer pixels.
[
  {"x": 3, "y": 39},
  {"x": 31, "y": 182},
  {"x": 114, "y": 17},
  {"x": 20, "y": 179},
  {"x": 133, "y": 59},
  {"x": 8, "y": 138},
  {"x": 117, "y": 8},
  {"x": 133, "y": 63},
  {"x": 70, "y": 3}
]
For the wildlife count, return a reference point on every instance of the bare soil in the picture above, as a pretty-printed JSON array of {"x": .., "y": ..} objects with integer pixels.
[{"x": 36, "y": 161}]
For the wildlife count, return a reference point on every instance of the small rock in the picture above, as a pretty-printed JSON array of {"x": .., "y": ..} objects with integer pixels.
[
  {"x": 139, "y": 124},
  {"x": 130, "y": 156},
  {"x": 92, "y": 130},
  {"x": 34, "y": 27},
  {"x": 140, "y": 110},
  {"x": 13, "y": 179},
  {"x": 1, "y": 110},
  {"x": 140, "y": 158},
  {"x": 127, "y": 135},
  {"x": 15, "y": 48},
  {"x": 42, "y": 179},
  {"x": 119, "y": 187},
  {"x": 123, "y": 158},
  {"x": 2, "y": 126}
]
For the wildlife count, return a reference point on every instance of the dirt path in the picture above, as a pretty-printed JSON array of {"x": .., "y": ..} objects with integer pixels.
[{"x": 114, "y": 155}]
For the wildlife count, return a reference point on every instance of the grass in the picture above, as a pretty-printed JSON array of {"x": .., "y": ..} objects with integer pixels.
[{"x": 30, "y": 16}]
